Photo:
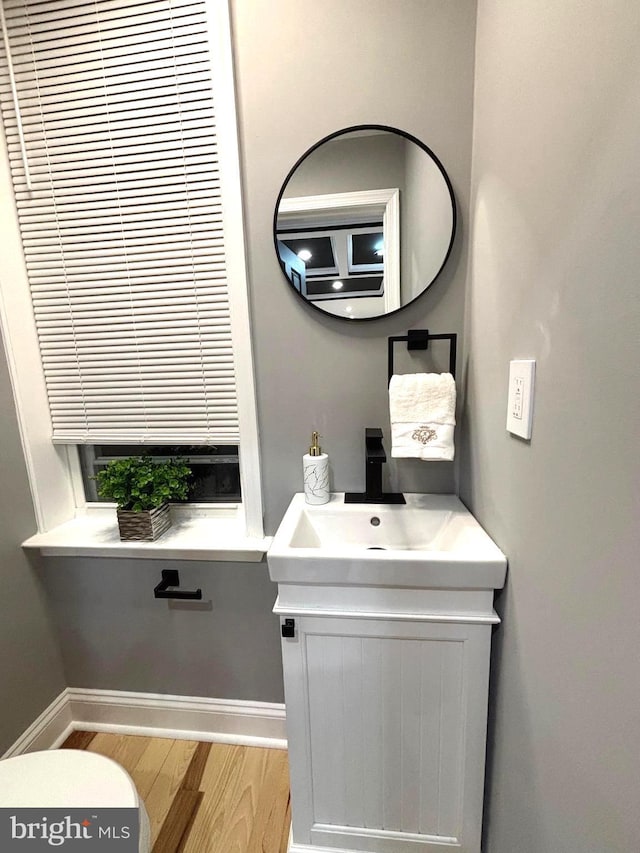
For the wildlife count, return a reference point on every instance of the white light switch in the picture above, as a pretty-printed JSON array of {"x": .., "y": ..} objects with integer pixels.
[{"x": 520, "y": 403}]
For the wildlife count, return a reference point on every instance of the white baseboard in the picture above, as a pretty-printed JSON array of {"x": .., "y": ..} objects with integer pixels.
[
  {"x": 192, "y": 717},
  {"x": 155, "y": 715},
  {"x": 48, "y": 731}
]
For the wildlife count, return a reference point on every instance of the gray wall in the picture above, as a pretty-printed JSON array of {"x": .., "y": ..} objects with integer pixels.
[
  {"x": 30, "y": 665},
  {"x": 115, "y": 636},
  {"x": 351, "y": 165},
  {"x": 554, "y": 277},
  {"x": 305, "y": 69},
  {"x": 426, "y": 229},
  {"x": 312, "y": 371}
]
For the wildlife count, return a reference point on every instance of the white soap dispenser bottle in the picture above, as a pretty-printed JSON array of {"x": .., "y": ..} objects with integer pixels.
[{"x": 315, "y": 469}]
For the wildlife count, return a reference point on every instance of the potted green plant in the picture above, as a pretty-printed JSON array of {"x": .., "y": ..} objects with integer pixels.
[{"x": 142, "y": 490}]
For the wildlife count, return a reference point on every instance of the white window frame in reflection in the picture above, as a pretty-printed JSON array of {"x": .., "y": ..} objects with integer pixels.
[{"x": 336, "y": 208}]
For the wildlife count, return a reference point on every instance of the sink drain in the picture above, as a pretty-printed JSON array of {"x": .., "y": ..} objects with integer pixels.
[
  {"x": 375, "y": 521},
  {"x": 376, "y": 548}
]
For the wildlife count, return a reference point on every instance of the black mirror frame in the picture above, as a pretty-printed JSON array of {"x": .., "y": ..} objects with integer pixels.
[{"x": 447, "y": 181}]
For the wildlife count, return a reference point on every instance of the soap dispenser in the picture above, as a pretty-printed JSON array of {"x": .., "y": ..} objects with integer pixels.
[{"x": 315, "y": 468}]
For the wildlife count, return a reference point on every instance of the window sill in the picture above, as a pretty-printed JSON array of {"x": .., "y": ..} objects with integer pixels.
[{"x": 190, "y": 537}]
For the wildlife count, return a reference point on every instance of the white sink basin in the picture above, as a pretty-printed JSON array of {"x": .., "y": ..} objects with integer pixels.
[{"x": 431, "y": 542}]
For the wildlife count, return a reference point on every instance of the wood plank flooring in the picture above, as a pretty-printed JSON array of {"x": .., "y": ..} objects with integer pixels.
[{"x": 203, "y": 797}]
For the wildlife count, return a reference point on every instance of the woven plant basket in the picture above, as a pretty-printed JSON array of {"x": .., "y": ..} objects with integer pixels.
[{"x": 146, "y": 525}]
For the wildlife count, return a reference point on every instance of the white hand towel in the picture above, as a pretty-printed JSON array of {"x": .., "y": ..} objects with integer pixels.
[{"x": 422, "y": 407}]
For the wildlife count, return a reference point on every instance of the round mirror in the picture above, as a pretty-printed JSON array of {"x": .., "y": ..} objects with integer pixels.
[{"x": 364, "y": 222}]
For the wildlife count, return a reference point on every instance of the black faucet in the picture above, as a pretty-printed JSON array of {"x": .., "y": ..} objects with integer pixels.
[{"x": 375, "y": 457}]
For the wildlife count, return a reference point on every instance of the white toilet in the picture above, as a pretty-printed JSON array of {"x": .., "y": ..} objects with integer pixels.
[{"x": 70, "y": 778}]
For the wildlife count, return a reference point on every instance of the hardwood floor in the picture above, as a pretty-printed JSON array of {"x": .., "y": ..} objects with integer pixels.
[{"x": 203, "y": 797}]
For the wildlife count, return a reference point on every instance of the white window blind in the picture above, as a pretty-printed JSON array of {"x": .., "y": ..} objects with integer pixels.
[{"x": 122, "y": 229}]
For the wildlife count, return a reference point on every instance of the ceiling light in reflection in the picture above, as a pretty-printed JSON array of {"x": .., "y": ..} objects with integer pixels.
[
  {"x": 304, "y": 254},
  {"x": 379, "y": 249},
  {"x": 337, "y": 285}
]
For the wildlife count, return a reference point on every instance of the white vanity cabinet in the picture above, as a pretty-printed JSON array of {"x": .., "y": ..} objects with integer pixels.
[
  {"x": 386, "y": 720},
  {"x": 386, "y": 671}
]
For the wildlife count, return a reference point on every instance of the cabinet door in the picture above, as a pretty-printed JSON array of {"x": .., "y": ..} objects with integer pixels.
[{"x": 386, "y": 723}]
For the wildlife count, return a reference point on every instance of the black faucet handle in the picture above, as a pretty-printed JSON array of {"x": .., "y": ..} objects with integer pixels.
[
  {"x": 373, "y": 493},
  {"x": 373, "y": 444}
]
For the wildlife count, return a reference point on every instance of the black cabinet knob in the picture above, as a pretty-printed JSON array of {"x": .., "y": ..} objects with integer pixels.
[{"x": 289, "y": 628}]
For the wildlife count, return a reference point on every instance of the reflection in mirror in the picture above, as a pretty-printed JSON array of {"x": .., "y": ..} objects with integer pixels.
[{"x": 364, "y": 222}]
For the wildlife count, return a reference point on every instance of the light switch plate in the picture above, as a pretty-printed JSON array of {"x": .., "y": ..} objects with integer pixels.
[{"x": 522, "y": 374}]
